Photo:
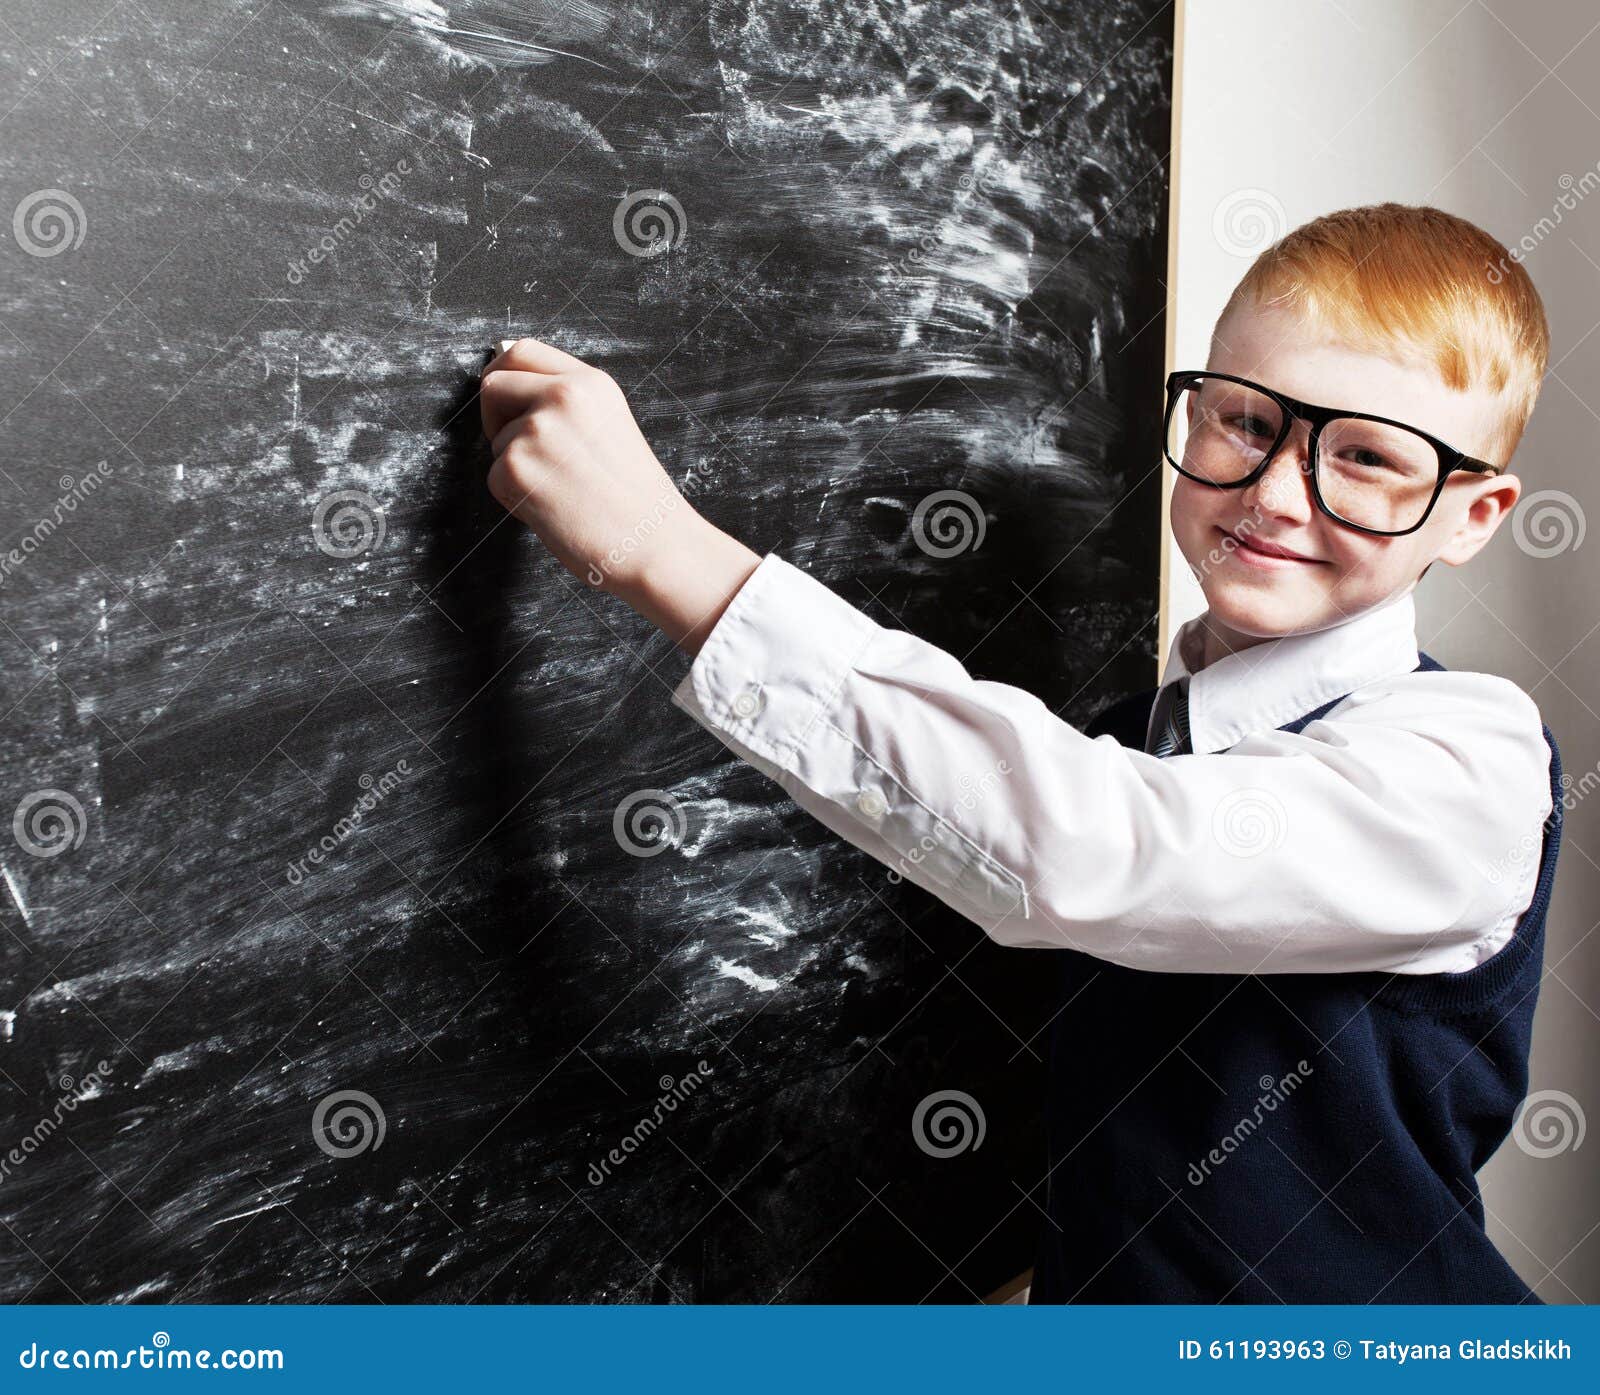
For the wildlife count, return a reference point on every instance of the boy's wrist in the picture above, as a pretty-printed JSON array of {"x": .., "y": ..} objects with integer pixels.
[{"x": 689, "y": 580}]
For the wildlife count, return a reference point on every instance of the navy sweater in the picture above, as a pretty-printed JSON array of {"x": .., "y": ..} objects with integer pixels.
[{"x": 1303, "y": 1138}]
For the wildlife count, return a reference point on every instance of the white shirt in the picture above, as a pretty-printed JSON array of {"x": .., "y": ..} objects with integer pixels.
[{"x": 1401, "y": 832}]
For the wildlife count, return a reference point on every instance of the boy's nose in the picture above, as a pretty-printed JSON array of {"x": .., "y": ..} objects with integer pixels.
[{"x": 1284, "y": 487}]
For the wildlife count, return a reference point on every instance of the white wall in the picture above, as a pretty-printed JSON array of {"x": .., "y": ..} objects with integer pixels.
[{"x": 1482, "y": 108}]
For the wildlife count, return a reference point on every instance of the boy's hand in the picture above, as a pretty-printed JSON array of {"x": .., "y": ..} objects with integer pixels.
[{"x": 572, "y": 464}]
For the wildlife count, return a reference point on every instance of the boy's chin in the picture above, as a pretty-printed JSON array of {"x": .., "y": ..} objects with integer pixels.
[{"x": 1268, "y": 610}]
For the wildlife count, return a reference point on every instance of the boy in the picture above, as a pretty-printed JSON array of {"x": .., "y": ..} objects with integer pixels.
[{"x": 1299, "y": 890}]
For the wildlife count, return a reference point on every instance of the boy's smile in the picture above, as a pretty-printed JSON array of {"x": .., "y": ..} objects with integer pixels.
[{"x": 1269, "y": 561}]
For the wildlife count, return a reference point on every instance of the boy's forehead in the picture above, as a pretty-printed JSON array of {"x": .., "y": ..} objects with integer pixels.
[{"x": 1287, "y": 351}]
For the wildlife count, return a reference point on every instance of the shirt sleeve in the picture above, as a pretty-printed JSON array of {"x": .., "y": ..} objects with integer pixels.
[{"x": 1394, "y": 835}]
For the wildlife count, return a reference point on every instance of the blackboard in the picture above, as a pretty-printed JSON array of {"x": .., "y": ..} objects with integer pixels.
[{"x": 327, "y": 974}]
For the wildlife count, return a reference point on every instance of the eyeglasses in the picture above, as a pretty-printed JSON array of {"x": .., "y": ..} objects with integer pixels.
[{"x": 1369, "y": 473}]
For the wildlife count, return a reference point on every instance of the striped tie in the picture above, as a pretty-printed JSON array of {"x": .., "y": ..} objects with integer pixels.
[{"x": 1174, "y": 735}]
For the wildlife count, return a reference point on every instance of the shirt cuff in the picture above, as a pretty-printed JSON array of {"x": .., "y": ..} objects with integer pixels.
[{"x": 774, "y": 663}]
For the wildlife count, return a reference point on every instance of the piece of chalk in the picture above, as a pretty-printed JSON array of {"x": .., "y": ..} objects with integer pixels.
[{"x": 503, "y": 345}]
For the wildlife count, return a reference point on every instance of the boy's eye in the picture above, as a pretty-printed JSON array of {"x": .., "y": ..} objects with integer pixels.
[
  {"x": 1368, "y": 459},
  {"x": 1252, "y": 426}
]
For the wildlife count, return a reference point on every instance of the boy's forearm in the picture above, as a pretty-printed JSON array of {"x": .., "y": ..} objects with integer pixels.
[{"x": 689, "y": 581}]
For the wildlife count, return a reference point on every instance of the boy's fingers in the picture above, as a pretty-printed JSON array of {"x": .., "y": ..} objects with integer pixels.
[
  {"x": 505, "y": 436},
  {"x": 506, "y": 394},
  {"x": 533, "y": 356}
]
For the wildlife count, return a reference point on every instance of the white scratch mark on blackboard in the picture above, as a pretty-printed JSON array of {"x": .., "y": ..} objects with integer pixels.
[
  {"x": 19, "y": 898},
  {"x": 495, "y": 35},
  {"x": 744, "y": 974},
  {"x": 766, "y": 929}
]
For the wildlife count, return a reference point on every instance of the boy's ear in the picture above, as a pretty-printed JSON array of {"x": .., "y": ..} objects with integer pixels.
[
  {"x": 1494, "y": 501},
  {"x": 1492, "y": 506}
]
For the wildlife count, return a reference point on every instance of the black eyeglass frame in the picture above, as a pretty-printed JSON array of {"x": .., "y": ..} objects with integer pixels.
[{"x": 1450, "y": 459}]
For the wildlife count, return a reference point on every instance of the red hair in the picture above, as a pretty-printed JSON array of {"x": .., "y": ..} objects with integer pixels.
[{"x": 1389, "y": 276}]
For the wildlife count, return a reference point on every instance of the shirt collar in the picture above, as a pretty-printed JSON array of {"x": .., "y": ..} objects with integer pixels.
[{"x": 1277, "y": 680}]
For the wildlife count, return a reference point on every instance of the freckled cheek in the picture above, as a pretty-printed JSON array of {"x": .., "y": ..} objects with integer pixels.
[
  {"x": 1196, "y": 510},
  {"x": 1365, "y": 566}
]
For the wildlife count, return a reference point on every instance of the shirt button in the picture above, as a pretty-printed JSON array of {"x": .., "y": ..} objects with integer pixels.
[
  {"x": 748, "y": 703},
  {"x": 872, "y": 804}
]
